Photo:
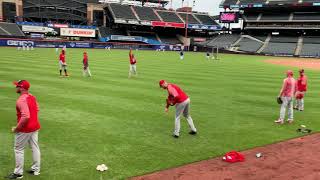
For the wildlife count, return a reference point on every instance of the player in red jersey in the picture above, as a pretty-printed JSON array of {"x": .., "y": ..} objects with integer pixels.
[
  {"x": 86, "y": 70},
  {"x": 26, "y": 131},
  {"x": 177, "y": 97},
  {"x": 62, "y": 63},
  {"x": 133, "y": 67},
  {"x": 286, "y": 93},
  {"x": 302, "y": 83}
]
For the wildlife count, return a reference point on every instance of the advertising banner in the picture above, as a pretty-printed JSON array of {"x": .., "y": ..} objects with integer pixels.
[
  {"x": 204, "y": 27},
  {"x": 168, "y": 24},
  {"x": 78, "y": 32}
]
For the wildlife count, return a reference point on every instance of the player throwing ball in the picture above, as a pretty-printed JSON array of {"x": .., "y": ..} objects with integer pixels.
[
  {"x": 86, "y": 70},
  {"x": 62, "y": 63},
  {"x": 180, "y": 99},
  {"x": 133, "y": 62}
]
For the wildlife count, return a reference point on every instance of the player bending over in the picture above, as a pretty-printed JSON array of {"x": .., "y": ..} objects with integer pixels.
[{"x": 180, "y": 99}]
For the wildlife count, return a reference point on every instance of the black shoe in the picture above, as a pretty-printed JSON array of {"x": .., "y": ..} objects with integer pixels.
[
  {"x": 175, "y": 136},
  {"x": 14, "y": 176},
  {"x": 32, "y": 172},
  {"x": 193, "y": 132}
]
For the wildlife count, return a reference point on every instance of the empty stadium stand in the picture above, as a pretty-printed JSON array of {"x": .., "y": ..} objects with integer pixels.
[
  {"x": 169, "y": 16},
  {"x": 249, "y": 45},
  {"x": 275, "y": 17},
  {"x": 306, "y": 16},
  {"x": 122, "y": 11},
  {"x": 10, "y": 29},
  {"x": 107, "y": 31},
  {"x": 169, "y": 40},
  {"x": 191, "y": 19},
  {"x": 279, "y": 49},
  {"x": 146, "y": 13},
  {"x": 205, "y": 19},
  {"x": 223, "y": 41}
]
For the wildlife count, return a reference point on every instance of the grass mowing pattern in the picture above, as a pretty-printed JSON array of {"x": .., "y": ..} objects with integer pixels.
[{"x": 121, "y": 122}]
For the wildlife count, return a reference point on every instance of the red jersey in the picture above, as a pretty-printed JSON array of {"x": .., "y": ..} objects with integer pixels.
[
  {"x": 85, "y": 60},
  {"x": 27, "y": 114},
  {"x": 133, "y": 60},
  {"x": 62, "y": 58},
  {"x": 178, "y": 94},
  {"x": 288, "y": 87},
  {"x": 302, "y": 84}
]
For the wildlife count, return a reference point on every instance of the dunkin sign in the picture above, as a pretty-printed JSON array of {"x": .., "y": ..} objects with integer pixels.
[{"x": 78, "y": 32}]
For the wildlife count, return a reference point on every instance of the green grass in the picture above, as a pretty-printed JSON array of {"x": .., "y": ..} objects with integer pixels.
[{"x": 121, "y": 122}]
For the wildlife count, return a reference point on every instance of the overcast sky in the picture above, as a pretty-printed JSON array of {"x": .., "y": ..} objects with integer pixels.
[{"x": 211, "y": 6}]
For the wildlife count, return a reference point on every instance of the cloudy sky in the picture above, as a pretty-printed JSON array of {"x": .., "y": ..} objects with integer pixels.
[{"x": 211, "y": 6}]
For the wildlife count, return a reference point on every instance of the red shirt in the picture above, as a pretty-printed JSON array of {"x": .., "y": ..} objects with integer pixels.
[
  {"x": 133, "y": 60},
  {"x": 27, "y": 113},
  {"x": 288, "y": 87},
  {"x": 178, "y": 94},
  {"x": 62, "y": 58},
  {"x": 302, "y": 84},
  {"x": 85, "y": 60}
]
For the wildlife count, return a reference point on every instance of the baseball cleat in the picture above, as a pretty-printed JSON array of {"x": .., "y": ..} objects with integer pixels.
[
  {"x": 32, "y": 172},
  {"x": 193, "y": 132},
  {"x": 290, "y": 121},
  {"x": 175, "y": 136},
  {"x": 279, "y": 121},
  {"x": 14, "y": 176}
]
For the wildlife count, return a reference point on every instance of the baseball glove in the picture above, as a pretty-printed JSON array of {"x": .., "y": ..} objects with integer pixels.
[
  {"x": 279, "y": 100},
  {"x": 170, "y": 101}
]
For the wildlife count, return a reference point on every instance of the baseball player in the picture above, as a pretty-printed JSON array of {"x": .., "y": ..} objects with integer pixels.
[
  {"x": 86, "y": 70},
  {"x": 301, "y": 90},
  {"x": 62, "y": 63},
  {"x": 180, "y": 99},
  {"x": 133, "y": 67},
  {"x": 26, "y": 131},
  {"x": 181, "y": 55},
  {"x": 286, "y": 93},
  {"x": 208, "y": 55}
]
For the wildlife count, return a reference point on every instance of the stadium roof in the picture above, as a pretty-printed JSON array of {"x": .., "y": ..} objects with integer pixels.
[{"x": 266, "y": 3}]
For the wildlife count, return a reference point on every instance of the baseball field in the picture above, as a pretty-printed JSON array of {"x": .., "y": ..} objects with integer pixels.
[{"x": 111, "y": 119}]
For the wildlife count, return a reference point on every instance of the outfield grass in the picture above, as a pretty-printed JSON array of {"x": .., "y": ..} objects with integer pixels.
[{"x": 111, "y": 119}]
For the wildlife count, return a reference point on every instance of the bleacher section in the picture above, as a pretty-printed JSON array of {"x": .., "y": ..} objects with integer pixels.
[
  {"x": 10, "y": 29},
  {"x": 107, "y": 31},
  {"x": 223, "y": 41},
  {"x": 168, "y": 16},
  {"x": 311, "y": 47},
  {"x": 280, "y": 49},
  {"x": 191, "y": 19},
  {"x": 275, "y": 17},
  {"x": 251, "y": 17},
  {"x": 306, "y": 16},
  {"x": 146, "y": 13},
  {"x": 249, "y": 45},
  {"x": 122, "y": 11},
  {"x": 169, "y": 40},
  {"x": 279, "y": 45},
  {"x": 205, "y": 19}
]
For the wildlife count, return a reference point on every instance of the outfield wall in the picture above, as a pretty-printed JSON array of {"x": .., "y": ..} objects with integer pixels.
[{"x": 14, "y": 42}]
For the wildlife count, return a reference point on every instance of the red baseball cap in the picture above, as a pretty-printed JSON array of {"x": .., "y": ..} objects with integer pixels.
[
  {"x": 22, "y": 83},
  {"x": 161, "y": 82},
  {"x": 290, "y": 73}
]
